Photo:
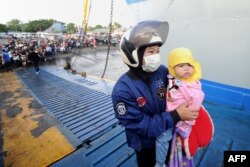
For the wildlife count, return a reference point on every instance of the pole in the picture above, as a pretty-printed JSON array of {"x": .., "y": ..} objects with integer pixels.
[{"x": 84, "y": 24}]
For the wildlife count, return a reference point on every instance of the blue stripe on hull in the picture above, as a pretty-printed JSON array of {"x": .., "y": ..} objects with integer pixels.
[{"x": 235, "y": 97}]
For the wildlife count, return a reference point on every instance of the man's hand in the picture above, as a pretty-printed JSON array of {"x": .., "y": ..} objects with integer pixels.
[{"x": 186, "y": 113}]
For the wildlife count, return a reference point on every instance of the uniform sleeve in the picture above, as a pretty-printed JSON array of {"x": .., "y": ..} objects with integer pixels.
[{"x": 132, "y": 118}]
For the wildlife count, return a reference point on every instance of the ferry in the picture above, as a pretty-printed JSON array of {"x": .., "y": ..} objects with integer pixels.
[{"x": 60, "y": 119}]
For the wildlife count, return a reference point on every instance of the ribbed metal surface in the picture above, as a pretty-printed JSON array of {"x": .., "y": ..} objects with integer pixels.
[
  {"x": 87, "y": 82},
  {"x": 110, "y": 150},
  {"x": 84, "y": 114}
]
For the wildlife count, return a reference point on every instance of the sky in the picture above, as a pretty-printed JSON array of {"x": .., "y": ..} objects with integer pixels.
[{"x": 67, "y": 11}]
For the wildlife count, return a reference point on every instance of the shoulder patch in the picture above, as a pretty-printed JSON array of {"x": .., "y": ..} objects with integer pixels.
[
  {"x": 121, "y": 108},
  {"x": 141, "y": 101}
]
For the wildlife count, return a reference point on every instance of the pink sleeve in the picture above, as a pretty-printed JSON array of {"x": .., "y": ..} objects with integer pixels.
[
  {"x": 174, "y": 100},
  {"x": 193, "y": 91},
  {"x": 185, "y": 92}
]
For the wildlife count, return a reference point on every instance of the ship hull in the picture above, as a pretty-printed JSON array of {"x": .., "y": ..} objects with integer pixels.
[{"x": 217, "y": 32}]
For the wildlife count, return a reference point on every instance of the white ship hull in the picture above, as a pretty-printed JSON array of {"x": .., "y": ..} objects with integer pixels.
[{"x": 216, "y": 31}]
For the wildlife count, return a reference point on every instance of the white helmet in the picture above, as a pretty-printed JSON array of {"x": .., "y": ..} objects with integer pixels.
[{"x": 144, "y": 34}]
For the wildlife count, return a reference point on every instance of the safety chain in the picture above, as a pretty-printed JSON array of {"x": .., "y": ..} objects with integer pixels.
[{"x": 109, "y": 38}]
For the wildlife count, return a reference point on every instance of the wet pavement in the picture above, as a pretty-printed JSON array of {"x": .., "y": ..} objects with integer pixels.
[{"x": 92, "y": 61}]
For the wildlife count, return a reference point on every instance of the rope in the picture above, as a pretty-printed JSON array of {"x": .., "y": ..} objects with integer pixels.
[
  {"x": 75, "y": 52},
  {"x": 109, "y": 39}
]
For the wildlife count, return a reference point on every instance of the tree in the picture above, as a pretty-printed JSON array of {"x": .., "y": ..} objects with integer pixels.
[
  {"x": 23, "y": 27},
  {"x": 14, "y": 25},
  {"x": 98, "y": 26},
  {"x": 90, "y": 28},
  {"x": 3, "y": 28},
  {"x": 38, "y": 25},
  {"x": 71, "y": 28},
  {"x": 116, "y": 25},
  {"x": 41, "y": 25}
]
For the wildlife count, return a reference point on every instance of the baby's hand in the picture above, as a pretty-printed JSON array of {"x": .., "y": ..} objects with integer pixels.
[{"x": 186, "y": 113}]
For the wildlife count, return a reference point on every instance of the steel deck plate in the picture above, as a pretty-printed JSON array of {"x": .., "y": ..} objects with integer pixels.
[{"x": 84, "y": 114}]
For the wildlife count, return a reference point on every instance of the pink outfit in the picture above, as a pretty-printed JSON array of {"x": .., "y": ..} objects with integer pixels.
[{"x": 179, "y": 92}]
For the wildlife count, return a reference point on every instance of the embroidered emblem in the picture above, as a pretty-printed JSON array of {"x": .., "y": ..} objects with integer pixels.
[
  {"x": 161, "y": 93},
  {"x": 121, "y": 109},
  {"x": 159, "y": 83},
  {"x": 141, "y": 101}
]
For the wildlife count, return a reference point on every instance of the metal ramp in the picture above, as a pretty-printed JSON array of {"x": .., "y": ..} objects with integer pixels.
[
  {"x": 109, "y": 150},
  {"x": 84, "y": 114}
]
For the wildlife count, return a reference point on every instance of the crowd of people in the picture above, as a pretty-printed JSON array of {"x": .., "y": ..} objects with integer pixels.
[
  {"x": 14, "y": 51},
  {"x": 17, "y": 50}
]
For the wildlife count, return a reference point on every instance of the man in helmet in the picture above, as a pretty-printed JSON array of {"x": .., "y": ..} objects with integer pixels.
[{"x": 139, "y": 95}]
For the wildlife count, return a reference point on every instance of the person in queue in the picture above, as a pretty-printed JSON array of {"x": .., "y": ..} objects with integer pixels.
[
  {"x": 34, "y": 58},
  {"x": 6, "y": 60},
  {"x": 139, "y": 95}
]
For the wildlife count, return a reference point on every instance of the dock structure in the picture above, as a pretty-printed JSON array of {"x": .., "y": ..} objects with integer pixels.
[{"x": 82, "y": 111}]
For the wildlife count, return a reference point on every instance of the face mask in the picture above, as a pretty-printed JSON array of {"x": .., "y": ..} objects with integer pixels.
[{"x": 152, "y": 63}]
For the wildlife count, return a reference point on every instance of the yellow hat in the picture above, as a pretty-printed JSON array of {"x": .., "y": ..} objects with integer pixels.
[{"x": 183, "y": 55}]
